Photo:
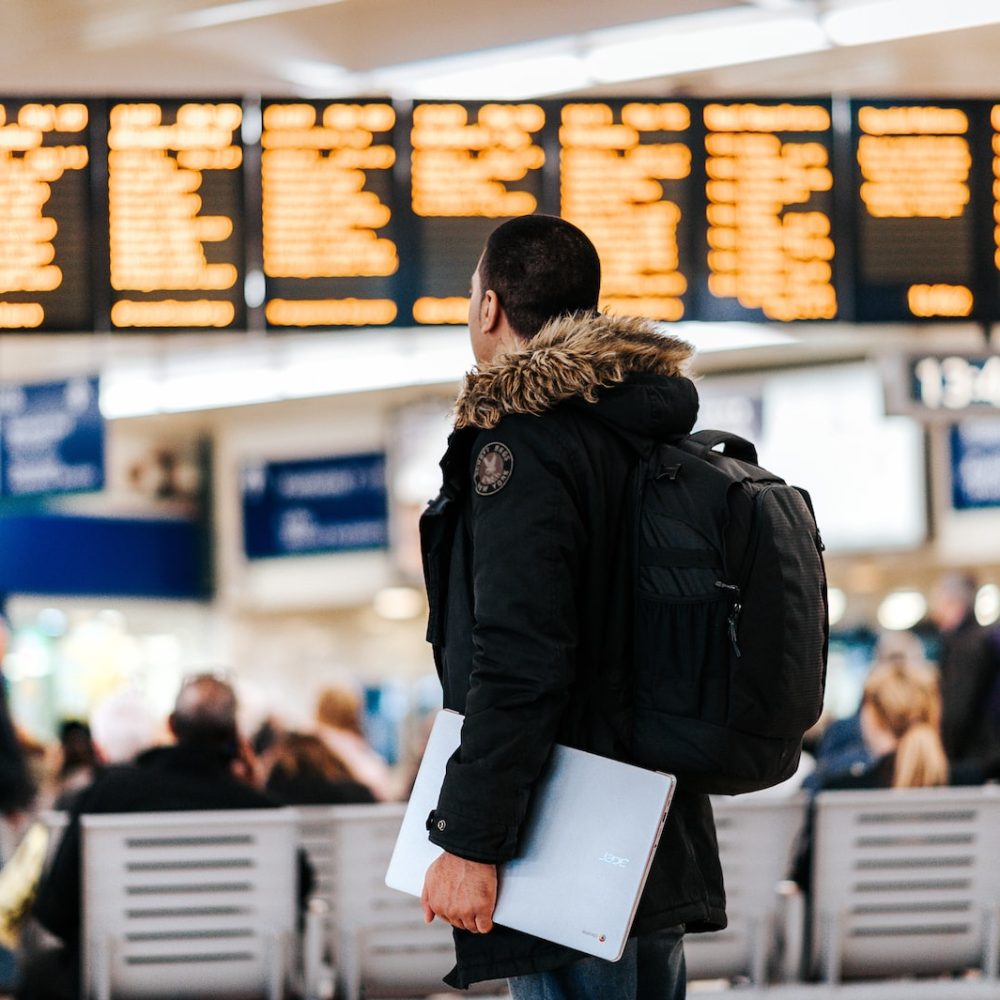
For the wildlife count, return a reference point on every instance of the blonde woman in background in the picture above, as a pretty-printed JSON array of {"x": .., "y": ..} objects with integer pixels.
[
  {"x": 901, "y": 725},
  {"x": 901, "y": 728},
  {"x": 338, "y": 725}
]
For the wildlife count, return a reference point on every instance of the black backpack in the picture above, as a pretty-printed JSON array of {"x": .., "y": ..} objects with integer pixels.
[{"x": 731, "y": 628}]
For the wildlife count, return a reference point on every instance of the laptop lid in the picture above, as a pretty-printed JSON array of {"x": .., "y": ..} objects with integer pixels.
[{"x": 585, "y": 850}]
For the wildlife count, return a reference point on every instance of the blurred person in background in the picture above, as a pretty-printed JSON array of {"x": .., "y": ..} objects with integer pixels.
[
  {"x": 900, "y": 722},
  {"x": 305, "y": 772},
  {"x": 77, "y": 760},
  {"x": 208, "y": 767},
  {"x": 17, "y": 791},
  {"x": 842, "y": 748},
  {"x": 121, "y": 727},
  {"x": 969, "y": 662},
  {"x": 338, "y": 725}
]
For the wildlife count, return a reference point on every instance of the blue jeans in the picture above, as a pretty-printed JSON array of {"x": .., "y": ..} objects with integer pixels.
[{"x": 652, "y": 968}]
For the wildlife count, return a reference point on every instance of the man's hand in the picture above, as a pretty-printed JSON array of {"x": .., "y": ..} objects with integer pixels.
[{"x": 462, "y": 893}]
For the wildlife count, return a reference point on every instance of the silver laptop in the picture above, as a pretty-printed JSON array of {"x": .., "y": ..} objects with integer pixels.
[{"x": 585, "y": 850}]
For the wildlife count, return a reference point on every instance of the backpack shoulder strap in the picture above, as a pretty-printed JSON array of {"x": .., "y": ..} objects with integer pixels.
[{"x": 733, "y": 445}]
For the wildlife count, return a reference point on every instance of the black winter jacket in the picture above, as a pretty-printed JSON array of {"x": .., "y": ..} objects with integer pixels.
[{"x": 525, "y": 557}]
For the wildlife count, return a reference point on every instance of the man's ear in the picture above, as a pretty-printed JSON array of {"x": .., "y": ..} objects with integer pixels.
[
  {"x": 172, "y": 725},
  {"x": 490, "y": 312}
]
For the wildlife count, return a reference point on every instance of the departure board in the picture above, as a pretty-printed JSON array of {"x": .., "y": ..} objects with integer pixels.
[
  {"x": 45, "y": 254},
  {"x": 769, "y": 211},
  {"x": 915, "y": 254},
  {"x": 472, "y": 167},
  {"x": 175, "y": 215},
  {"x": 160, "y": 215},
  {"x": 626, "y": 181},
  {"x": 328, "y": 214}
]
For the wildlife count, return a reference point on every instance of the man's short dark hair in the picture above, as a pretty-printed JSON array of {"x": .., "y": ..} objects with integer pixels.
[{"x": 540, "y": 267}]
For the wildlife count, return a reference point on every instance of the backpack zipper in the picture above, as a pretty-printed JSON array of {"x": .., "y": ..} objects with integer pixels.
[{"x": 734, "y": 613}]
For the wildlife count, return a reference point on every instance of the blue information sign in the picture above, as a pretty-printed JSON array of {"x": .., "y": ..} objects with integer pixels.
[
  {"x": 51, "y": 438},
  {"x": 975, "y": 464},
  {"x": 316, "y": 505}
]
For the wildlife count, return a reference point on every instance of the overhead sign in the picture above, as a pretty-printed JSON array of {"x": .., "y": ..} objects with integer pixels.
[
  {"x": 317, "y": 505},
  {"x": 956, "y": 383},
  {"x": 45, "y": 243},
  {"x": 975, "y": 464},
  {"x": 172, "y": 214},
  {"x": 51, "y": 438}
]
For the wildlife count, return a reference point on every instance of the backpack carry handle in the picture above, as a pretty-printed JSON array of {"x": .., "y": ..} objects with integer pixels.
[{"x": 733, "y": 445}]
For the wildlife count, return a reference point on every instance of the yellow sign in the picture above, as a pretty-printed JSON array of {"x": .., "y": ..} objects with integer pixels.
[
  {"x": 770, "y": 246},
  {"x": 613, "y": 172},
  {"x": 462, "y": 168},
  {"x": 29, "y": 169},
  {"x": 157, "y": 231}
]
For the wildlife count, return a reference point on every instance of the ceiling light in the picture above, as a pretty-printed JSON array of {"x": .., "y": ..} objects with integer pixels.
[
  {"x": 988, "y": 604},
  {"x": 242, "y": 10},
  {"x": 322, "y": 78},
  {"x": 684, "y": 45},
  {"x": 708, "y": 338},
  {"x": 902, "y": 610},
  {"x": 861, "y": 24},
  {"x": 398, "y": 604},
  {"x": 836, "y": 601},
  {"x": 511, "y": 73}
]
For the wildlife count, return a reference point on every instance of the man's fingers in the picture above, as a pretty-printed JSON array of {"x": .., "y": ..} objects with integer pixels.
[{"x": 484, "y": 924}]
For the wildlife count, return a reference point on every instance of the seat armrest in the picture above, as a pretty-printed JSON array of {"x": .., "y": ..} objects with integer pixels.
[{"x": 791, "y": 908}]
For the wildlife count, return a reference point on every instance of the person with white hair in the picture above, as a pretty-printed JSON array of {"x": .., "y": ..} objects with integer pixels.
[{"x": 122, "y": 726}]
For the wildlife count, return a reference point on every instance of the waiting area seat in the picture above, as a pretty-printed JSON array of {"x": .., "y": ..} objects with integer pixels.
[
  {"x": 905, "y": 903},
  {"x": 189, "y": 904},
  {"x": 756, "y": 839},
  {"x": 379, "y": 942},
  {"x": 907, "y": 883}
]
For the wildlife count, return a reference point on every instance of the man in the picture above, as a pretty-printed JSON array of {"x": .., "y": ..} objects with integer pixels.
[
  {"x": 530, "y": 588},
  {"x": 970, "y": 673},
  {"x": 209, "y": 767}
]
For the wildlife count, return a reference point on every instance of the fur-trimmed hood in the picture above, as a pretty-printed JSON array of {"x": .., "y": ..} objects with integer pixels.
[{"x": 571, "y": 358}]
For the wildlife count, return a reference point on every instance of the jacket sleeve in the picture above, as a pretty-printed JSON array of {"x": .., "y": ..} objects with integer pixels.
[{"x": 527, "y": 543}]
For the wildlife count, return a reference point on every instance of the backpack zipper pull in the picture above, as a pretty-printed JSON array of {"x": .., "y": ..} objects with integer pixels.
[{"x": 734, "y": 614}]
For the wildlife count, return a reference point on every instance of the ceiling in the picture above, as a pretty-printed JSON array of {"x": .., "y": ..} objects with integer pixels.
[
  {"x": 66, "y": 48},
  {"x": 282, "y": 47}
]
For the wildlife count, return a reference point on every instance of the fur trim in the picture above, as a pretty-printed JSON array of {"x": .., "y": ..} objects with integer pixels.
[{"x": 570, "y": 356}]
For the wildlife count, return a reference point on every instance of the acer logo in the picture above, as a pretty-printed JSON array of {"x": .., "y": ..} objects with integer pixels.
[{"x": 613, "y": 859}]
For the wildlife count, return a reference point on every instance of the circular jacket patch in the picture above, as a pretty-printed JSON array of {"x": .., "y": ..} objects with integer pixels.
[{"x": 494, "y": 467}]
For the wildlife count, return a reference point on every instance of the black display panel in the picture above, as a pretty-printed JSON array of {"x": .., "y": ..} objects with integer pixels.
[
  {"x": 45, "y": 246},
  {"x": 330, "y": 213},
  {"x": 140, "y": 214},
  {"x": 769, "y": 247},
  {"x": 625, "y": 178},
  {"x": 175, "y": 215},
  {"x": 472, "y": 167},
  {"x": 916, "y": 196}
]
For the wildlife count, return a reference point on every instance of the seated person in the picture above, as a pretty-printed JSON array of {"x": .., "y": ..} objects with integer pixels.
[
  {"x": 208, "y": 767},
  {"x": 338, "y": 725},
  {"x": 306, "y": 772},
  {"x": 843, "y": 749},
  {"x": 121, "y": 727},
  {"x": 900, "y": 722}
]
